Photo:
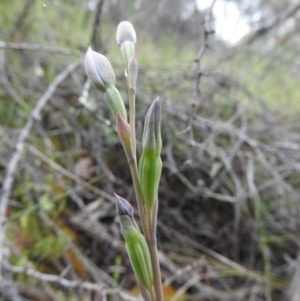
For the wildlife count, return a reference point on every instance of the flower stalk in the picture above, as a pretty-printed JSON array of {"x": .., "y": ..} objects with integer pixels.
[{"x": 141, "y": 248}]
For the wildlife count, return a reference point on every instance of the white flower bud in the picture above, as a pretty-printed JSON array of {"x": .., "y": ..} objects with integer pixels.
[
  {"x": 125, "y": 32},
  {"x": 99, "y": 70}
]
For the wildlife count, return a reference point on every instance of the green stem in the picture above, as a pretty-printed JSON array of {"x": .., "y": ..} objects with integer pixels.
[
  {"x": 138, "y": 194},
  {"x": 156, "y": 270},
  {"x": 148, "y": 221},
  {"x": 152, "y": 243}
]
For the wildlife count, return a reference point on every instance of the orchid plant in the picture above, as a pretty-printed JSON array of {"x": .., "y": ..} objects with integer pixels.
[{"x": 141, "y": 248}]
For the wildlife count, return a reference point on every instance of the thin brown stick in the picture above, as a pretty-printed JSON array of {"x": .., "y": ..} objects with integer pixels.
[
  {"x": 39, "y": 48},
  {"x": 199, "y": 72},
  {"x": 66, "y": 282},
  {"x": 96, "y": 34}
]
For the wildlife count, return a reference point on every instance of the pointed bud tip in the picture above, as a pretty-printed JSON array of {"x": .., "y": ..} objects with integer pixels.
[
  {"x": 88, "y": 51},
  {"x": 123, "y": 206},
  {"x": 157, "y": 100},
  {"x": 123, "y": 126},
  {"x": 152, "y": 137},
  {"x": 119, "y": 118},
  {"x": 154, "y": 106},
  {"x": 154, "y": 109}
]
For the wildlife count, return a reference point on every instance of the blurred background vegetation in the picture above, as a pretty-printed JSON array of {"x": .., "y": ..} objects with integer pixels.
[{"x": 229, "y": 219}]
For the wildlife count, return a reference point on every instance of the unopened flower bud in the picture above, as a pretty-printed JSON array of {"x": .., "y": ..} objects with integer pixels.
[
  {"x": 135, "y": 243},
  {"x": 125, "y": 32},
  {"x": 152, "y": 137},
  {"x": 126, "y": 38},
  {"x": 123, "y": 129},
  {"x": 99, "y": 70},
  {"x": 115, "y": 102},
  {"x": 150, "y": 165},
  {"x": 123, "y": 207}
]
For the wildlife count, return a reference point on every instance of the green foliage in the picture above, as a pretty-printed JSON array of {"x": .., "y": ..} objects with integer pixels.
[
  {"x": 48, "y": 247},
  {"x": 7, "y": 112},
  {"x": 117, "y": 274},
  {"x": 267, "y": 77}
]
